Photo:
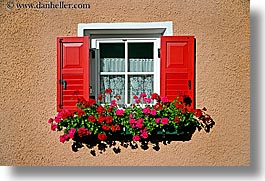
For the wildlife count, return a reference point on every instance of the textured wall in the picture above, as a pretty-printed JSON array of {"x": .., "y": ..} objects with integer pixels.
[{"x": 28, "y": 81}]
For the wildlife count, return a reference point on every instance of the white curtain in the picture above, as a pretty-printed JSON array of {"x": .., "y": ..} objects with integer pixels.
[
  {"x": 112, "y": 64},
  {"x": 116, "y": 83},
  {"x": 137, "y": 84},
  {"x": 141, "y": 65},
  {"x": 140, "y": 84}
]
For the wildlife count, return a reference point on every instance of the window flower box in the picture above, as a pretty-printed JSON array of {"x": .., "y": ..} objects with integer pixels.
[{"x": 149, "y": 118}]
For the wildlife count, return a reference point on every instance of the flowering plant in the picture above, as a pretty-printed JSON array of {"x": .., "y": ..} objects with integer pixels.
[{"x": 147, "y": 116}]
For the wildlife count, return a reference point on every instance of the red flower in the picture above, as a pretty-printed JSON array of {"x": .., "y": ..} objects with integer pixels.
[
  {"x": 135, "y": 97},
  {"x": 108, "y": 91},
  {"x": 90, "y": 102},
  {"x": 91, "y": 118},
  {"x": 102, "y": 137},
  {"x": 100, "y": 109},
  {"x": 65, "y": 113},
  {"x": 101, "y": 96},
  {"x": 109, "y": 119},
  {"x": 115, "y": 127},
  {"x": 50, "y": 120},
  {"x": 177, "y": 120},
  {"x": 109, "y": 109},
  {"x": 80, "y": 113},
  {"x": 158, "y": 106},
  {"x": 101, "y": 119},
  {"x": 83, "y": 131},
  {"x": 198, "y": 113},
  {"x": 154, "y": 96},
  {"x": 105, "y": 127}
]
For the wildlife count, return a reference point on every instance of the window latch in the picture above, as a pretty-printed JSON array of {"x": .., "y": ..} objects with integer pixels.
[{"x": 64, "y": 83}]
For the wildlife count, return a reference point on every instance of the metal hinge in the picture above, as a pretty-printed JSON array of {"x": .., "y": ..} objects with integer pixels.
[
  {"x": 158, "y": 52},
  {"x": 64, "y": 83}
]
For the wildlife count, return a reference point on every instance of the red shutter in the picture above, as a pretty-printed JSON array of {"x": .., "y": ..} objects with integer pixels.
[
  {"x": 72, "y": 71},
  {"x": 177, "y": 66}
]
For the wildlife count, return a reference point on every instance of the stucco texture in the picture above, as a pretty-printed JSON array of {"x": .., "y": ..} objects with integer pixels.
[{"x": 28, "y": 81}]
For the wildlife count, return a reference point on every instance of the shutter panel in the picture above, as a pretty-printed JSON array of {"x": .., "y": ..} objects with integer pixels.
[
  {"x": 177, "y": 66},
  {"x": 72, "y": 71}
]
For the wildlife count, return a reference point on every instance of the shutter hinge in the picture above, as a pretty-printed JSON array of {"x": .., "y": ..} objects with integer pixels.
[
  {"x": 158, "y": 52},
  {"x": 64, "y": 83}
]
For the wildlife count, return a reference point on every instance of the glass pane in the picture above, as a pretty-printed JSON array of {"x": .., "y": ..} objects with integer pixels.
[
  {"x": 112, "y": 57},
  {"x": 116, "y": 83},
  {"x": 141, "y": 57},
  {"x": 140, "y": 84}
]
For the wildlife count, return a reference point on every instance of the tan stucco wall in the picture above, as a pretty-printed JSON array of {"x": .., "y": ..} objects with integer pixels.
[{"x": 28, "y": 81}]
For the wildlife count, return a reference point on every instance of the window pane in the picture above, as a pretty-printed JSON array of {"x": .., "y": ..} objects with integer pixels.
[
  {"x": 141, "y": 57},
  {"x": 140, "y": 84},
  {"x": 112, "y": 57},
  {"x": 116, "y": 83}
]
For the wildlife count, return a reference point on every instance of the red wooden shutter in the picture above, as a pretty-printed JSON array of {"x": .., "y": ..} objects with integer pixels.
[
  {"x": 72, "y": 71},
  {"x": 177, "y": 66}
]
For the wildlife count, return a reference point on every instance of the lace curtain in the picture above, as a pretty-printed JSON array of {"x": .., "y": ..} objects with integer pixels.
[{"x": 137, "y": 84}]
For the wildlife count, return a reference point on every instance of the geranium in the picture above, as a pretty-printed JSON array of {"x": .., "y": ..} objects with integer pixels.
[
  {"x": 91, "y": 118},
  {"x": 143, "y": 95},
  {"x": 102, "y": 137},
  {"x": 155, "y": 96},
  {"x": 164, "y": 99},
  {"x": 53, "y": 127},
  {"x": 71, "y": 132},
  {"x": 108, "y": 91},
  {"x": 100, "y": 97},
  {"x": 164, "y": 121},
  {"x": 119, "y": 112},
  {"x": 94, "y": 120},
  {"x": 136, "y": 138}
]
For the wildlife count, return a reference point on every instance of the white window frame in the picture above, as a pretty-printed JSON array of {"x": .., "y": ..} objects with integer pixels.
[
  {"x": 156, "y": 68},
  {"x": 129, "y": 31}
]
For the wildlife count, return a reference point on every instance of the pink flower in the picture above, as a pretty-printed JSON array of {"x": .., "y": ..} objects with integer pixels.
[
  {"x": 147, "y": 100},
  {"x": 139, "y": 125},
  {"x": 50, "y": 120},
  {"x": 146, "y": 110},
  {"x": 153, "y": 112},
  {"x": 143, "y": 95},
  {"x": 164, "y": 99},
  {"x": 137, "y": 101},
  {"x": 113, "y": 103},
  {"x": 119, "y": 112},
  {"x": 144, "y": 134},
  {"x": 141, "y": 120},
  {"x": 64, "y": 138},
  {"x": 132, "y": 121},
  {"x": 136, "y": 138},
  {"x": 131, "y": 115},
  {"x": 53, "y": 127},
  {"x": 58, "y": 119},
  {"x": 157, "y": 120},
  {"x": 71, "y": 132},
  {"x": 164, "y": 121}
]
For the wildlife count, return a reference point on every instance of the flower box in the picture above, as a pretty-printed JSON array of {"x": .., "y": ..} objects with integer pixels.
[{"x": 148, "y": 118}]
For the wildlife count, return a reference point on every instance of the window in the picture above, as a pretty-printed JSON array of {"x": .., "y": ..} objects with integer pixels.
[
  {"x": 130, "y": 61},
  {"x": 127, "y": 67}
]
